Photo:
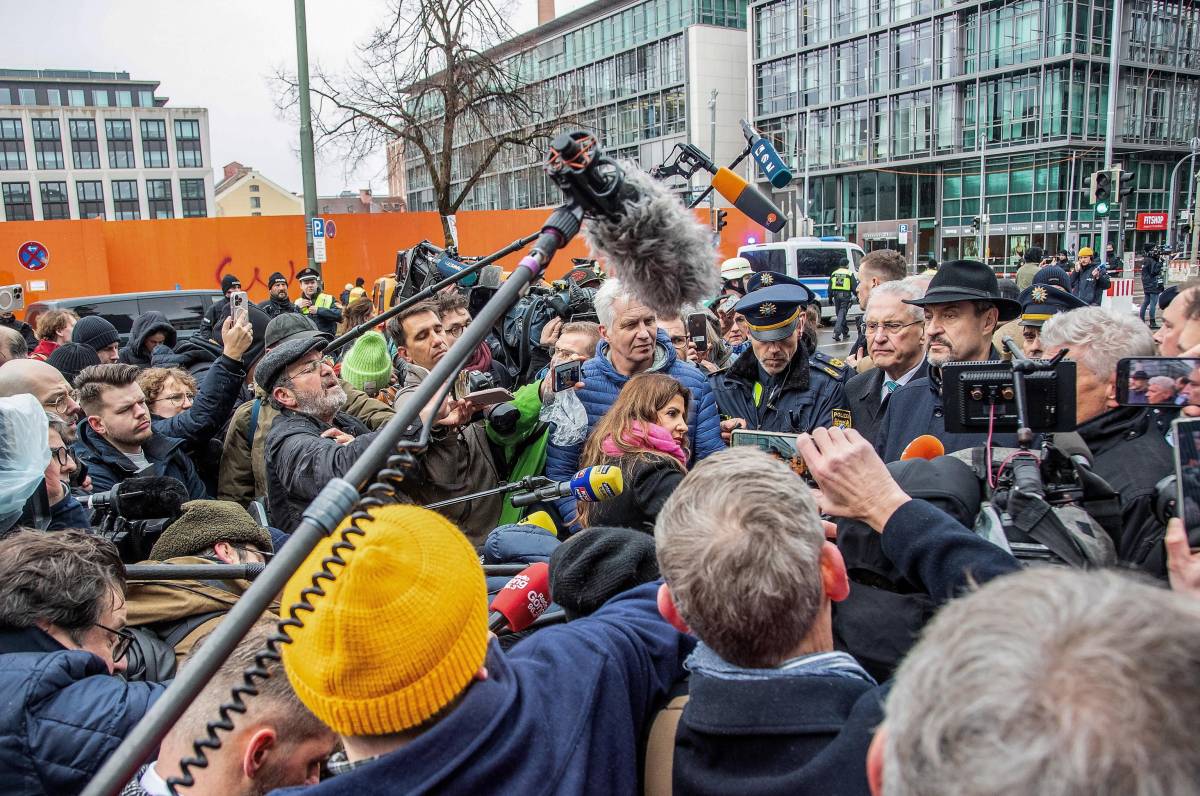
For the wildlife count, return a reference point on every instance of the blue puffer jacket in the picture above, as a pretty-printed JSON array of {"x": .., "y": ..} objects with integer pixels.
[
  {"x": 61, "y": 714},
  {"x": 602, "y": 382}
]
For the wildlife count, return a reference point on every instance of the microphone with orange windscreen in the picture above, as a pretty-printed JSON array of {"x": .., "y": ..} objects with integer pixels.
[{"x": 925, "y": 446}]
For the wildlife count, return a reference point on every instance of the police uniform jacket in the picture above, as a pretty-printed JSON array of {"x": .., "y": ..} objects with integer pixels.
[
  {"x": 811, "y": 395},
  {"x": 916, "y": 409}
]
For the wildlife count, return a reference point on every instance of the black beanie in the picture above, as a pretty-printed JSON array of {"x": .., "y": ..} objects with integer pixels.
[
  {"x": 70, "y": 358},
  {"x": 593, "y": 566},
  {"x": 228, "y": 282},
  {"x": 95, "y": 332},
  {"x": 276, "y": 277}
]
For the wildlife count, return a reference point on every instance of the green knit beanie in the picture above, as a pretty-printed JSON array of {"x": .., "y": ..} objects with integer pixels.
[{"x": 368, "y": 367}]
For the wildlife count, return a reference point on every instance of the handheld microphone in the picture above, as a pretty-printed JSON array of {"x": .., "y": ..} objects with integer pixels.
[
  {"x": 751, "y": 201},
  {"x": 591, "y": 485},
  {"x": 149, "y": 497},
  {"x": 766, "y": 157},
  {"x": 522, "y": 600},
  {"x": 925, "y": 446}
]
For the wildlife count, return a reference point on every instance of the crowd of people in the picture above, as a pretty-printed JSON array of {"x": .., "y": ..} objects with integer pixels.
[{"x": 733, "y": 627}]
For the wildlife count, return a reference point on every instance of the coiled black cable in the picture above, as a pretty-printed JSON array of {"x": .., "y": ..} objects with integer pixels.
[{"x": 382, "y": 491}]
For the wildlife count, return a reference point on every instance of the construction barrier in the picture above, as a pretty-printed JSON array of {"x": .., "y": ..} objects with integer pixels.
[{"x": 1119, "y": 295}]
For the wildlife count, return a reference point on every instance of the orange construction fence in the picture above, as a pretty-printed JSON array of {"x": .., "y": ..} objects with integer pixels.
[{"x": 95, "y": 257}]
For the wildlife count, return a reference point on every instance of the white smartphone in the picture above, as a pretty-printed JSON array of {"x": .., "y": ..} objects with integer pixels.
[{"x": 238, "y": 305}]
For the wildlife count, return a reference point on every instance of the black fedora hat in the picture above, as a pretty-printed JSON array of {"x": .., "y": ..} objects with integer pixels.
[{"x": 967, "y": 280}]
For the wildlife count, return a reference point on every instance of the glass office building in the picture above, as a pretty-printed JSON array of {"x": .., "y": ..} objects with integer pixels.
[
  {"x": 895, "y": 104},
  {"x": 638, "y": 74}
]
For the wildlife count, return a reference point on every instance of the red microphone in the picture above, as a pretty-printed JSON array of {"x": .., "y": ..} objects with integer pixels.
[
  {"x": 522, "y": 600},
  {"x": 925, "y": 446}
]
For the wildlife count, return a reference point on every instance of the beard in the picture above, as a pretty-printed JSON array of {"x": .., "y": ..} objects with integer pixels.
[
  {"x": 326, "y": 403},
  {"x": 131, "y": 438}
]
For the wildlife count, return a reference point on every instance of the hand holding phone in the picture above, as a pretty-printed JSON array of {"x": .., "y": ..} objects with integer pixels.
[
  {"x": 567, "y": 375},
  {"x": 697, "y": 326},
  {"x": 238, "y": 306}
]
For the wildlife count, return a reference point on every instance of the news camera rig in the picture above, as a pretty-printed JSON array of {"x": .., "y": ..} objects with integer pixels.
[{"x": 593, "y": 185}]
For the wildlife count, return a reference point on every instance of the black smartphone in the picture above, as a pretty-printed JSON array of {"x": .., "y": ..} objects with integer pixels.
[
  {"x": 1185, "y": 431},
  {"x": 697, "y": 328},
  {"x": 1158, "y": 381},
  {"x": 567, "y": 375},
  {"x": 779, "y": 444}
]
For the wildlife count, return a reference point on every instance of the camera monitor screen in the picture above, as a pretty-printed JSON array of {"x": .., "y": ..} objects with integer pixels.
[
  {"x": 1158, "y": 381},
  {"x": 981, "y": 396}
]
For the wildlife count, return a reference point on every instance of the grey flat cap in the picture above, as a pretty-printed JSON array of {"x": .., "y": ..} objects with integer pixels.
[{"x": 271, "y": 367}]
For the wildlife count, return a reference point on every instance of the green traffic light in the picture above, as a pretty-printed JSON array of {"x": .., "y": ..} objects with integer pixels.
[{"x": 1101, "y": 209}]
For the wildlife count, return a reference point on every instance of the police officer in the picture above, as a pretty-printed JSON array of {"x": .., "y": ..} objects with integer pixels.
[
  {"x": 1040, "y": 302},
  {"x": 842, "y": 286},
  {"x": 779, "y": 384},
  {"x": 320, "y": 307}
]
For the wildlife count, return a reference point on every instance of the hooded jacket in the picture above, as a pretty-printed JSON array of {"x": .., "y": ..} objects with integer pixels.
[
  {"x": 602, "y": 382},
  {"x": 145, "y": 325},
  {"x": 805, "y": 399},
  {"x": 62, "y": 714},
  {"x": 108, "y": 466}
]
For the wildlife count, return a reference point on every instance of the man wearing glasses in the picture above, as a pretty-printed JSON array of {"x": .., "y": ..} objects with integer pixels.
[
  {"x": 43, "y": 382},
  {"x": 62, "y": 640},
  {"x": 895, "y": 335}
]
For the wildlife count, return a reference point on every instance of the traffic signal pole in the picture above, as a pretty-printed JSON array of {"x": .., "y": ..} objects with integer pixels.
[{"x": 1114, "y": 73}]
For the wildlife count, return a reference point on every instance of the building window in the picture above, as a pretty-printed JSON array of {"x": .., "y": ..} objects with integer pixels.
[
  {"x": 125, "y": 200},
  {"x": 119, "y": 133},
  {"x": 158, "y": 192},
  {"x": 146, "y": 99},
  {"x": 255, "y": 213},
  {"x": 27, "y": 96},
  {"x": 154, "y": 144},
  {"x": 255, "y": 202},
  {"x": 75, "y": 98},
  {"x": 91, "y": 198},
  {"x": 187, "y": 143},
  {"x": 12, "y": 145},
  {"x": 53, "y": 97},
  {"x": 85, "y": 151},
  {"x": 5, "y": 96},
  {"x": 124, "y": 99},
  {"x": 192, "y": 193},
  {"x": 54, "y": 201},
  {"x": 47, "y": 144},
  {"x": 18, "y": 202},
  {"x": 100, "y": 97},
  {"x": 253, "y": 189}
]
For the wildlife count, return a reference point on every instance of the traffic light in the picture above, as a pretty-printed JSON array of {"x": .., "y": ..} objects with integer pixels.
[
  {"x": 975, "y": 223},
  {"x": 1100, "y": 192},
  {"x": 1126, "y": 184},
  {"x": 721, "y": 222}
]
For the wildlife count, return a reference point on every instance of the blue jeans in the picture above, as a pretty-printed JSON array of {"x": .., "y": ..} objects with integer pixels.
[{"x": 1151, "y": 301}]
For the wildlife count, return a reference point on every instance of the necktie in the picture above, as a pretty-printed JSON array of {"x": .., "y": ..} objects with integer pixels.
[{"x": 891, "y": 386}]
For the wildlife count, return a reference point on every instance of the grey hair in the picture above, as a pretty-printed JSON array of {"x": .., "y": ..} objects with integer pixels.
[
  {"x": 1163, "y": 381},
  {"x": 1051, "y": 681},
  {"x": 12, "y": 345},
  {"x": 64, "y": 429},
  {"x": 743, "y": 564},
  {"x": 903, "y": 289},
  {"x": 610, "y": 290},
  {"x": 1098, "y": 337}
]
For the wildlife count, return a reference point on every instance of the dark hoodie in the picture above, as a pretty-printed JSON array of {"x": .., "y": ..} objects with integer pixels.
[{"x": 146, "y": 325}]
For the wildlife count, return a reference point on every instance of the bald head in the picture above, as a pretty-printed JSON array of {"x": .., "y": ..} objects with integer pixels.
[
  {"x": 12, "y": 345},
  {"x": 40, "y": 380}
]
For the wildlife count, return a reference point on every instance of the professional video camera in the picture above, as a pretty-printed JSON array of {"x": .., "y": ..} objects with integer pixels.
[
  {"x": 1046, "y": 505},
  {"x": 571, "y": 299},
  {"x": 135, "y": 512}
]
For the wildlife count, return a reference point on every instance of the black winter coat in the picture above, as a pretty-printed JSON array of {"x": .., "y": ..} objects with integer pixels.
[
  {"x": 108, "y": 466},
  {"x": 1152, "y": 274},
  {"x": 1130, "y": 453},
  {"x": 62, "y": 714},
  {"x": 648, "y": 481},
  {"x": 811, "y": 393},
  {"x": 275, "y": 308}
]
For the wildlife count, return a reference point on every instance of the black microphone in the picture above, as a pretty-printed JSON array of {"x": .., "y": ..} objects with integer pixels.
[
  {"x": 148, "y": 497},
  {"x": 766, "y": 157}
]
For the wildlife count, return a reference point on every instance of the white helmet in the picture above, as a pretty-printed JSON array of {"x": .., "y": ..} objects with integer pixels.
[{"x": 735, "y": 268}]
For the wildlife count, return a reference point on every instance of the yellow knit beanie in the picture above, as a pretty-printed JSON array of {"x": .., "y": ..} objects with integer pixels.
[{"x": 399, "y": 633}]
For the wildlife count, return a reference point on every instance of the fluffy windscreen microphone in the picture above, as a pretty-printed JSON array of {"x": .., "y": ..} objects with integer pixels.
[
  {"x": 150, "y": 497},
  {"x": 659, "y": 250},
  {"x": 522, "y": 600}
]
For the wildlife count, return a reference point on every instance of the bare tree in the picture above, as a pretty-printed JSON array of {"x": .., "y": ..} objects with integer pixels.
[{"x": 439, "y": 75}]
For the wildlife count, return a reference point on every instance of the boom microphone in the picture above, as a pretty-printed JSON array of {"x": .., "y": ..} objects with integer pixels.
[
  {"x": 751, "y": 201},
  {"x": 657, "y": 247},
  {"x": 149, "y": 497},
  {"x": 925, "y": 446},
  {"x": 591, "y": 485},
  {"x": 769, "y": 163},
  {"x": 522, "y": 600}
]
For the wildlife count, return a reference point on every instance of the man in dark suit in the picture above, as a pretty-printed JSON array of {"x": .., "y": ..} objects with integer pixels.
[
  {"x": 771, "y": 701},
  {"x": 895, "y": 334}
]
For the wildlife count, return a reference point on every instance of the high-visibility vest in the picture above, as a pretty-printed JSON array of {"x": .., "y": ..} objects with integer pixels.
[
  {"x": 840, "y": 280},
  {"x": 324, "y": 301}
]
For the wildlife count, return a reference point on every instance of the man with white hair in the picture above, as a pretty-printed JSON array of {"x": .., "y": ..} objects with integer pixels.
[
  {"x": 895, "y": 335},
  {"x": 1161, "y": 390},
  {"x": 1050, "y": 681},
  {"x": 631, "y": 343},
  {"x": 1127, "y": 446}
]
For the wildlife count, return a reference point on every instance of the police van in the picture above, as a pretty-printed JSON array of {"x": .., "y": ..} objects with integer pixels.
[{"x": 811, "y": 260}]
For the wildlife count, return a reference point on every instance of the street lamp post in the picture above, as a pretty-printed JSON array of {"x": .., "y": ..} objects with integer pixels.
[{"x": 307, "y": 168}]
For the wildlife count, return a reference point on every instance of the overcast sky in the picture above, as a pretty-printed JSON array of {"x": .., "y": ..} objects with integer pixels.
[{"x": 215, "y": 54}]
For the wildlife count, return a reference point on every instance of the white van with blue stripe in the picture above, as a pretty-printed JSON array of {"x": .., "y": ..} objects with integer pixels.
[{"x": 811, "y": 260}]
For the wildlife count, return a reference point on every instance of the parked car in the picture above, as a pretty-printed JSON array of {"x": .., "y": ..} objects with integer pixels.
[{"x": 184, "y": 308}]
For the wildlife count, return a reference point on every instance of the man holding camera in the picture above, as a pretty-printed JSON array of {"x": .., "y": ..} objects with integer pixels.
[
  {"x": 962, "y": 308},
  {"x": 1127, "y": 446}
]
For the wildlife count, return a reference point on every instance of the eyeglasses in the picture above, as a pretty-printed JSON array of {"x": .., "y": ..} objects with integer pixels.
[
  {"x": 889, "y": 327},
  {"x": 456, "y": 330},
  {"x": 121, "y": 645},
  {"x": 178, "y": 399},
  {"x": 63, "y": 454},
  {"x": 63, "y": 402},
  {"x": 311, "y": 367}
]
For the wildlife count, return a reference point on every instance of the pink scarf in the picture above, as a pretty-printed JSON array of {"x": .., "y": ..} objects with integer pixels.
[
  {"x": 647, "y": 436},
  {"x": 481, "y": 360}
]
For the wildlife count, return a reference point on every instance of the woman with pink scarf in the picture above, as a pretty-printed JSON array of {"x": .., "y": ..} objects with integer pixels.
[{"x": 644, "y": 433}]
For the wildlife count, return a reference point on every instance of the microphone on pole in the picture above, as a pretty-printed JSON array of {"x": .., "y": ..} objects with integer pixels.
[
  {"x": 591, "y": 485},
  {"x": 751, "y": 201},
  {"x": 522, "y": 600},
  {"x": 766, "y": 157}
]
